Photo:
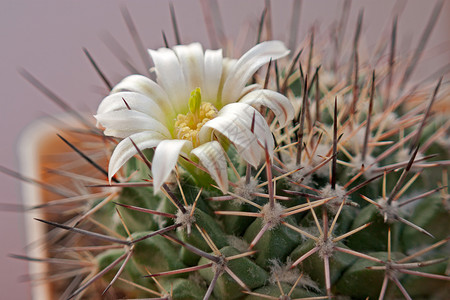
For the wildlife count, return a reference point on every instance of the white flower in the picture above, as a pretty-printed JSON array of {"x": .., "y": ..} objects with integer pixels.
[{"x": 197, "y": 97}]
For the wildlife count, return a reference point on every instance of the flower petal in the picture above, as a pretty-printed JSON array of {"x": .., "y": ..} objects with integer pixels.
[
  {"x": 171, "y": 78},
  {"x": 212, "y": 75},
  {"x": 136, "y": 102},
  {"x": 247, "y": 65},
  {"x": 234, "y": 122},
  {"x": 126, "y": 150},
  {"x": 191, "y": 60},
  {"x": 212, "y": 157},
  {"x": 145, "y": 86},
  {"x": 278, "y": 103},
  {"x": 165, "y": 159},
  {"x": 123, "y": 123}
]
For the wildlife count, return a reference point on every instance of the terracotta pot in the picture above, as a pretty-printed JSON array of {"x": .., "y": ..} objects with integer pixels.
[{"x": 41, "y": 152}]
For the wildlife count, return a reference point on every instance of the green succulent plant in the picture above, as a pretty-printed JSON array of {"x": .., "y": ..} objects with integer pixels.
[{"x": 327, "y": 182}]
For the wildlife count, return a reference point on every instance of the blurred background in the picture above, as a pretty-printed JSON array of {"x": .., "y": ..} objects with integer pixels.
[{"x": 46, "y": 38}]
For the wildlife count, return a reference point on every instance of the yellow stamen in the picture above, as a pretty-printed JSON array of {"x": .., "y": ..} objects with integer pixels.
[{"x": 188, "y": 126}]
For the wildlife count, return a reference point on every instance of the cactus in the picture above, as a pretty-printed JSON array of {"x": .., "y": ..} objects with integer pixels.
[{"x": 310, "y": 179}]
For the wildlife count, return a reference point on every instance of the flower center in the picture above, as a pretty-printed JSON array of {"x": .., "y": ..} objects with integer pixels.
[{"x": 188, "y": 126}]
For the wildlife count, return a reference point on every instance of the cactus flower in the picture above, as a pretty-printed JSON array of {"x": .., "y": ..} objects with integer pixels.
[{"x": 198, "y": 96}]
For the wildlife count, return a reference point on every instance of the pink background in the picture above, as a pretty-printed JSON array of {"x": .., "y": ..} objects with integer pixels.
[{"x": 46, "y": 36}]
